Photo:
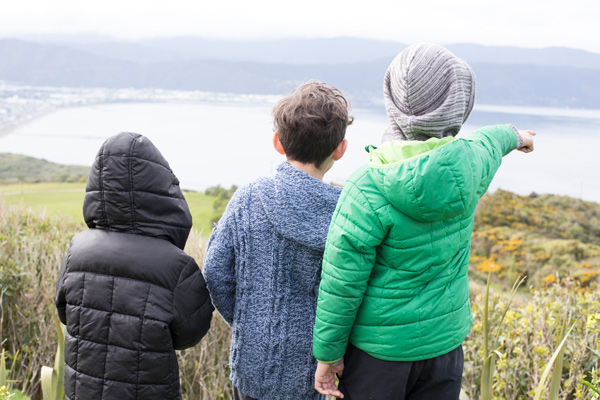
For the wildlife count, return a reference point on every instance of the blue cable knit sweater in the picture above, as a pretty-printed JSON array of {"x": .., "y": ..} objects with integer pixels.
[{"x": 262, "y": 268}]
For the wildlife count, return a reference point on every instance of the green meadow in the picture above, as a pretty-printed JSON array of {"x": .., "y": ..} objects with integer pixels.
[{"x": 65, "y": 199}]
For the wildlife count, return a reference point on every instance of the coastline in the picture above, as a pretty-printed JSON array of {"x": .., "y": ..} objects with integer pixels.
[
  {"x": 30, "y": 118},
  {"x": 27, "y": 103}
]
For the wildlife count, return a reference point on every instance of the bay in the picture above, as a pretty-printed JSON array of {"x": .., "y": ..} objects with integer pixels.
[{"x": 210, "y": 144}]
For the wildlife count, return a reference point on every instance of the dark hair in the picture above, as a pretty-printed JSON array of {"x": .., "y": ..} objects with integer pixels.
[{"x": 311, "y": 122}]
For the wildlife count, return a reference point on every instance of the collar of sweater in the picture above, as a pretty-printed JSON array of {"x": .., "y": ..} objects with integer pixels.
[{"x": 298, "y": 205}]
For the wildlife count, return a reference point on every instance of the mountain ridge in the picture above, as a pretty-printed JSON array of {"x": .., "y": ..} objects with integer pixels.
[{"x": 504, "y": 74}]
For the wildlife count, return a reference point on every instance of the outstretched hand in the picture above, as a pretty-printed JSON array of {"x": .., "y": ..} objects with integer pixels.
[
  {"x": 527, "y": 137},
  {"x": 325, "y": 379}
]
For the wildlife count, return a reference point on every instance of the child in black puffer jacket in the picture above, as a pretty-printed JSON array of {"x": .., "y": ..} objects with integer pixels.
[{"x": 127, "y": 292}]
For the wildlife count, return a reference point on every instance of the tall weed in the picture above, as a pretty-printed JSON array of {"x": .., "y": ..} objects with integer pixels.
[
  {"x": 204, "y": 368},
  {"x": 529, "y": 335},
  {"x": 31, "y": 249}
]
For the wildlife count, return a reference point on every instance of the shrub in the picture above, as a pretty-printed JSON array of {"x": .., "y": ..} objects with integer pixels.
[
  {"x": 31, "y": 251},
  {"x": 527, "y": 337}
]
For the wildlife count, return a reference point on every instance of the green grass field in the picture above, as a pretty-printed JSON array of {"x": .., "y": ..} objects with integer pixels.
[{"x": 66, "y": 199}]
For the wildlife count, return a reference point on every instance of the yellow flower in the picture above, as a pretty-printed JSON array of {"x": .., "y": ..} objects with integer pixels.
[
  {"x": 4, "y": 393},
  {"x": 489, "y": 264},
  {"x": 517, "y": 351},
  {"x": 549, "y": 279},
  {"x": 529, "y": 308},
  {"x": 510, "y": 317},
  {"x": 501, "y": 364},
  {"x": 592, "y": 321},
  {"x": 540, "y": 350}
]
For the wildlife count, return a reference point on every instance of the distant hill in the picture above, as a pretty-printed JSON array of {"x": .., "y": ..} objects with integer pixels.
[
  {"x": 38, "y": 65},
  {"x": 339, "y": 50},
  {"x": 16, "y": 168},
  {"x": 532, "y": 85},
  {"x": 505, "y": 75},
  {"x": 550, "y": 56}
]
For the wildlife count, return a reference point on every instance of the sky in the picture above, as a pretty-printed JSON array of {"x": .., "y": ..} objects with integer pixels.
[{"x": 524, "y": 23}]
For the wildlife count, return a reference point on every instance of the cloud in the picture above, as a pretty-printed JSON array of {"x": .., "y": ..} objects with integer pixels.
[{"x": 532, "y": 23}]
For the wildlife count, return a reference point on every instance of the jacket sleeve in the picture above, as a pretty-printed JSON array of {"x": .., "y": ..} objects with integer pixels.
[
  {"x": 192, "y": 307},
  {"x": 219, "y": 263},
  {"x": 489, "y": 145},
  {"x": 60, "y": 299},
  {"x": 349, "y": 257}
]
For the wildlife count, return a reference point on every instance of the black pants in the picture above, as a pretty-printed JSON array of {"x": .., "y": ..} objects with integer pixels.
[{"x": 369, "y": 378}]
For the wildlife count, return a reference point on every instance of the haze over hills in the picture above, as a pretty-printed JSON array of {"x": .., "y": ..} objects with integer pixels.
[
  {"x": 559, "y": 77},
  {"x": 340, "y": 50}
]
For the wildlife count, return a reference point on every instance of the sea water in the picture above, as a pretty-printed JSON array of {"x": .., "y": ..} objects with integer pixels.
[{"x": 211, "y": 144}]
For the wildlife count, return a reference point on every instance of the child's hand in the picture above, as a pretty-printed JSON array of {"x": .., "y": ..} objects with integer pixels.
[
  {"x": 325, "y": 379},
  {"x": 527, "y": 137}
]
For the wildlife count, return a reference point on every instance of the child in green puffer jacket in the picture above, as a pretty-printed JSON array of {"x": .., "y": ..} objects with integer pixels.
[{"x": 393, "y": 306}]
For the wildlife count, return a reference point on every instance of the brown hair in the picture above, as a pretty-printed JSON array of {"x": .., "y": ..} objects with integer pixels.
[{"x": 311, "y": 122}]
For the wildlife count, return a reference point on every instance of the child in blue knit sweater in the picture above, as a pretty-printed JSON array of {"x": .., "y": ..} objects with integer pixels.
[{"x": 263, "y": 261}]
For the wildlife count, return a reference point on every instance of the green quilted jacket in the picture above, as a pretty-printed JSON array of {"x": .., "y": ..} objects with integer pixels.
[{"x": 394, "y": 279}]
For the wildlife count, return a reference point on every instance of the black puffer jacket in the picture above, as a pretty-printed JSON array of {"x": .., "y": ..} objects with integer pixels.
[{"x": 127, "y": 292}]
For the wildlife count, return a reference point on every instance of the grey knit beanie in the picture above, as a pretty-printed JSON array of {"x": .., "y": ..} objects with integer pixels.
[{"x": 428, "y": 92}]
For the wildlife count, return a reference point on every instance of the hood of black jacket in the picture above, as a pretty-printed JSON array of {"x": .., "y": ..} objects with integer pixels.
[{"x": 132, "y": 189}]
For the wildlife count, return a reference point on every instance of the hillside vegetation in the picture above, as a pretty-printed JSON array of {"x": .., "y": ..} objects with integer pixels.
[
  {"x": 544, "y": 237},
  {"x": 17, "y": 168},
  {"x": 32, "y": 246}
]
